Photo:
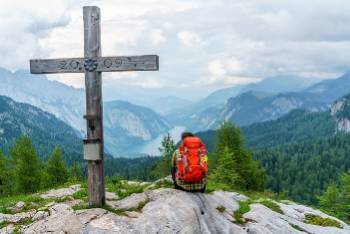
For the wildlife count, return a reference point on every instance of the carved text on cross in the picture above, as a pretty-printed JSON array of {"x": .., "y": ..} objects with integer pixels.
[{"x": 99, "y": 64}]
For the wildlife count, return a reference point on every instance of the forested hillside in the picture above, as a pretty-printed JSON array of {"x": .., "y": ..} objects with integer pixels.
[
  {"x": 301, "y": 152},
  {"x": 45, "y": 130}
]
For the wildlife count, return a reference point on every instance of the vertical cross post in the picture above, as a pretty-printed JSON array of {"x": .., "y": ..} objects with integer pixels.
[
  {"x": 93, "y": 64},
  {"x": 93, "y": 86}
]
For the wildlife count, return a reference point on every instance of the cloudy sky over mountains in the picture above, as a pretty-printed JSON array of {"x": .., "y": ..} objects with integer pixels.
[{"x": 203, "y": 45}]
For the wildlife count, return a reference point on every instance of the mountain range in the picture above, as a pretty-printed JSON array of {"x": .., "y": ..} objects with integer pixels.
[
  {"x": 125, "y": 124},
  {"x": 45, "y": 130},
  {"x": 128, "y": 125},
  {"x": 257, "y": 102}
]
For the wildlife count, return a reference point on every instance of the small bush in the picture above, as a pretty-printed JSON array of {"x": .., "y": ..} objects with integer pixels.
[
  {"x": 272, "y": 205},
  {"x": 221, "y": 209},
  {"x": 244, "y": 207},
  {"x": 4, "y": 224},
  {"x": 81, "y": 194},
  {"x": 318, "y": 220}
]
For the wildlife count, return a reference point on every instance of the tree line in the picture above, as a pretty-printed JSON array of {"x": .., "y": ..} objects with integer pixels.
[{"x": 23, "y": 172}]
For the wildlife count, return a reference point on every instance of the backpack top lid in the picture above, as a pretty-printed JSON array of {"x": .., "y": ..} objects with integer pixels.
[{"x": 192, "y": 142}]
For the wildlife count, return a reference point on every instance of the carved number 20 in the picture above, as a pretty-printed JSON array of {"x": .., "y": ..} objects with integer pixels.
[{"x": 62, "y": 65}]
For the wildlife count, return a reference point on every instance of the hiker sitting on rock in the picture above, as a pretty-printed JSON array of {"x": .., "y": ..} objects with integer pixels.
[{"x": 189, "y": 164}]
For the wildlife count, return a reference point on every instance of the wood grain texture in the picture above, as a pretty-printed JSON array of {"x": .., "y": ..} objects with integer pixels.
[
  {"x": 93, "y": 87},
  {"x": 104, "y": 64}
]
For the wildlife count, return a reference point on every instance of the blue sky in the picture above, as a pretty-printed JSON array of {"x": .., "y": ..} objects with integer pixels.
[{"x": 203, "y": 45}]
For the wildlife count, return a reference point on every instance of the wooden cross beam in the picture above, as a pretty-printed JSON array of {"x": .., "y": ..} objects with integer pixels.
[{"x": 92, "y": 64}]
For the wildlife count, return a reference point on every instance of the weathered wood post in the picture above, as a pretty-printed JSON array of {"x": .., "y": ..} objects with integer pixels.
[
  {"x": 93, "y": 87},
  {"x": 93, "y": 64}
]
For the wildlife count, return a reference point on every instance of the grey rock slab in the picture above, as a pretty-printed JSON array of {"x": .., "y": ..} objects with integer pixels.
[
  {"x": 111, "y": 196},
  {"x": 15, "y": 218},
  {"x": 61, "y": 220},
  {"x": 298, "y": 212},
  {"x": 63, "y": 192},
  {"x": 128, "y": 203},
  {"x": 174, "y": 211},
  {"x": 9, "y": 229},
  {"x": 40, "y": 215},
  {"x": 262, "y": 220},
  {"x": 20, "y": 205}
]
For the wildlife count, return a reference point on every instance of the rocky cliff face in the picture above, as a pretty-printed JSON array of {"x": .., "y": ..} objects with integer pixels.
[
  {"x": 165, "y": 210},
  {"x": 340, "y": 110},
  {"x": 66, "y": 103}
]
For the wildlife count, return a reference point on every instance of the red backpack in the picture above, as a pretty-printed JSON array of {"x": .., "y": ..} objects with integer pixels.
[{"x": 192, "y": 166}]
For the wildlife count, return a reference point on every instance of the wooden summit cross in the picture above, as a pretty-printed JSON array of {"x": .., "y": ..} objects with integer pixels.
[{"x": 93, "y": 65}]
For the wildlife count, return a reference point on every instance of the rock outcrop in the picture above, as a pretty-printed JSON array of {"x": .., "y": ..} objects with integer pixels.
[{"x": 167, "y": 210}]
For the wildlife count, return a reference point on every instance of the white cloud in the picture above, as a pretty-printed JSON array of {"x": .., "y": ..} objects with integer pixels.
[
  {"x": 157, "y": 36},
  {"x": 212, "y": 43},
  {"x": 216, "y": 68},
  {"x": 189, "y": 38}
]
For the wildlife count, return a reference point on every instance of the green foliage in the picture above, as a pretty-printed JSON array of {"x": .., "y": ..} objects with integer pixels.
[
  {"x": 131, "y": 168},
  {"x": 5, "y": 176},
  {"x": 31, "y": 202},
  {"x": 304, "y": 170},
  {"x": 235, "y": 168},
  {"x": 167, "y": 149},
  {"x": 331, "y": 197},
  {"x": 318, "y": 220},
  {"x": 335, "y": 201},
  {"x": 75, "y": 172},
  {"x": 82, "y": 194},
  {"x": 124, "y": 188},
  {"x": 272, "y": 205},
  {"x": 56, "y": 169},
  {"x": 44, "y": 129},
  {"x": 244, "y": 207},
  {"x": 3, "y": 224},
  {"x": 221, "y": 208},
  {"x": 27, "y": 168},
  {"x": 224, "y": 173}
]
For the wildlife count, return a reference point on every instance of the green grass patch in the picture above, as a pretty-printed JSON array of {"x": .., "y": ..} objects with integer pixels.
[
  {"x": 85, "y": 206},
  {"x": 163, "y": 184},
  {"x": 63, "y": 199},
  {"x": 296, "y": 227},
  {"x": 4, "y": 224},
  {"x": 31, "y": 202},
  {"x": 124, "y": 188},
  {"x": 221, "y": 209},
  {"x": 318, "y": 220},
  {"x": 142, "y": 204},
  {"x": 244, "y": 207},
  {"x": 82, "y": 194},
  {"x": 271, "y": 205}
]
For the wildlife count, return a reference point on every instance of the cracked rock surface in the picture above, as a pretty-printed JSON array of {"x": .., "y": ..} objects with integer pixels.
[{"x": 173, "y": 211}]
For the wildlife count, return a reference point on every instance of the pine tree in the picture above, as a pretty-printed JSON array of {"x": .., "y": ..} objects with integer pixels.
[
  {"x": 331, "y": 198},
  {"x": 26, "y": 166},
  {"x": 56, "y": 168},
  {"x": 3, "y": 173},
  {"x": 230, "y": 150},
  {"x": 224, "y": 175},
  {"x": 346, "y": 188},
  {"x": 167, "y": 149},
  {"x": 75, "y": 172}
]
